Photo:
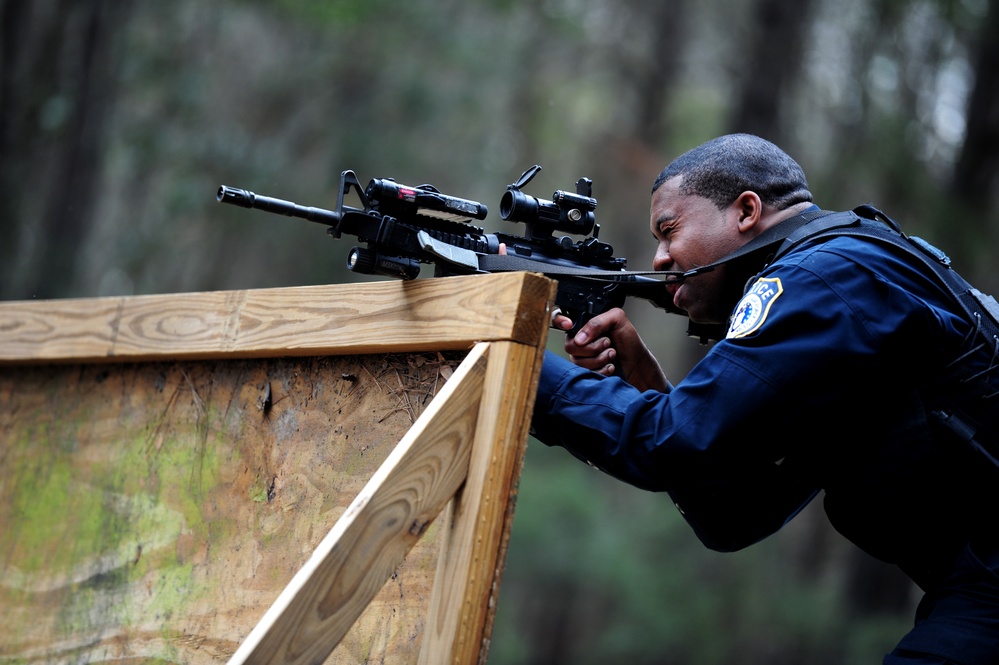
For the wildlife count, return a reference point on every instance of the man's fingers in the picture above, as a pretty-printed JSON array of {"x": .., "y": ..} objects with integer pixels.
[
  {"x": 591, "y": 348},
  {"x": 601, "y": 325}
]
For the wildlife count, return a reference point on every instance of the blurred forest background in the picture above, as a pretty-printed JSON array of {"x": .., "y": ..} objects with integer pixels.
[{"x": 119, "y": 120}]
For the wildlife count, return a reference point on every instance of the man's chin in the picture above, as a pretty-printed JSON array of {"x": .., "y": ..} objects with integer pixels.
[
  {"x": 699, "y": 315},
  {"x": 706, "y": 320}
]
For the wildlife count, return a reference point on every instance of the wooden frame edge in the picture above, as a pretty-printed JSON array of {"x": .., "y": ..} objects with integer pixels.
[{"x": 450, "y": 313}]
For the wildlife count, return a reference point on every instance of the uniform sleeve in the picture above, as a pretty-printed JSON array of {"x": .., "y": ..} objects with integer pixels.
[
  {"x": 664, "y": 442},
  {"x": 738, "y": 442}
]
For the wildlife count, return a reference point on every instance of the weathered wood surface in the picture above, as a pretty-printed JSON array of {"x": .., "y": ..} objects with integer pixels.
[
  {"x": 473, "y": 434},
  {"x": 459, "y": 625},
  {"x": 421, "y": 315},
  {"x": 370, "y": 540},
  {"x": 155, "y": 511},
  {"x": 158, "y": 492}
]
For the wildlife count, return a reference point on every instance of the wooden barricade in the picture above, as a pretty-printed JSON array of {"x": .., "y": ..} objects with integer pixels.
[{"x": 302, "y": 475}]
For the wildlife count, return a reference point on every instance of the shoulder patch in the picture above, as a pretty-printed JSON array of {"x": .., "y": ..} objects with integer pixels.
[{"x": 752, "y": 310}]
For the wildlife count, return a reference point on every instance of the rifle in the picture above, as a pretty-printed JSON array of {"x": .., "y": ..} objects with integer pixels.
[{"x": 403, "y": 227}]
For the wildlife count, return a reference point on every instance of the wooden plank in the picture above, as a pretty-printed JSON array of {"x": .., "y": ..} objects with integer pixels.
[
  {"x": 369, "y": 541},
  {"x": 391, "y": 316},
  {"x": 153, "y": 511},
  {"x": 466, "y": 587}
]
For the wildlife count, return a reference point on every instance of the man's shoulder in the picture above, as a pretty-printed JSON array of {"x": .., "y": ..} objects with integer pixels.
[
  {"x": 859, "y": 270},
  {"x": 836, "y": 251}
]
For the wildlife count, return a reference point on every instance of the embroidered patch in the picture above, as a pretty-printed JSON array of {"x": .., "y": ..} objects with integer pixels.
[{"x": 753, "y": 308}]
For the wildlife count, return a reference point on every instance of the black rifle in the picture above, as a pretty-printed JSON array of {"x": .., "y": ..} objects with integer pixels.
[{"x": 403, "y": 227}]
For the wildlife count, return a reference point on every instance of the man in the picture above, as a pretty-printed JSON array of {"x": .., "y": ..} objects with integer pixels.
[{"x": 828, "y": 378}]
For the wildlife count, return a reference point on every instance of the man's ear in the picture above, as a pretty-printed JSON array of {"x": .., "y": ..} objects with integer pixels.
[{"x": 750, "y": 210}]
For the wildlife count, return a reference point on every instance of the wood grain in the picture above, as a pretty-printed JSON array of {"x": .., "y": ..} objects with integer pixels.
[
  {"x": 420, "y": 315},
  {"x": 473, "y": 554},
  {"x": 154, "y": 511},
  {"x": 371, "y": 539},
  {"x": 170, "y": 462}
]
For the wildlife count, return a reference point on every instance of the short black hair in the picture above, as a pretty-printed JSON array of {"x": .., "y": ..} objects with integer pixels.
[{"x": 723, "y": 168}]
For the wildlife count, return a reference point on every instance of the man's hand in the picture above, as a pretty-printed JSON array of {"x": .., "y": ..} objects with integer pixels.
[{"x": 609, "y": 341}]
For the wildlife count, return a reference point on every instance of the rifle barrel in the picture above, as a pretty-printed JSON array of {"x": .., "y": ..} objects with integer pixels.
[{"x": 247, "y": 199}]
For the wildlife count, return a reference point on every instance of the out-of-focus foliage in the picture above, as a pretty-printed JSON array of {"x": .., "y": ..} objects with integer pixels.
[{"x": 118, "y": 121}]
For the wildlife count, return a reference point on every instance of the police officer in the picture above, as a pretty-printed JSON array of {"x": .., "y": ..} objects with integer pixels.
[{"x": 836, "y": 368}]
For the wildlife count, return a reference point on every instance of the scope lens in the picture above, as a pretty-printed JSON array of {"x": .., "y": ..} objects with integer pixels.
[{"x": 518, "y": 206}]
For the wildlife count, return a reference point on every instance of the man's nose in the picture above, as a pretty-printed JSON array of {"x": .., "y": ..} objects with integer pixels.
[{"x": 662, "y": 260}]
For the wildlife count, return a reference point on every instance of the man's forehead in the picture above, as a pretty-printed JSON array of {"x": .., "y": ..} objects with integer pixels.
[{"x": 666, "y": 198}]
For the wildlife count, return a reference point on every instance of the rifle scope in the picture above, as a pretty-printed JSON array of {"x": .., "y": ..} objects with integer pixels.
[{"x": 567, "y": 212}]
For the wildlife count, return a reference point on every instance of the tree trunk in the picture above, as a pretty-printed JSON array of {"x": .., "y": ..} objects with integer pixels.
[
  {"x": 978, "y": 165},
  {"x": 56, "y": 83},
  {"x": 771, "y": 67}
]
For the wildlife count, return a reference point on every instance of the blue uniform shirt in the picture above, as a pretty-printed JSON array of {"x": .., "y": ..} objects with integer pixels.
[
  {"x": 833, "y": 359},
  {"x": 819, "y": 385}
]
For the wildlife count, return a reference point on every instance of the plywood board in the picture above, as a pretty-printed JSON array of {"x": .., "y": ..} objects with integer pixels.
[
  {"x": 160, "y": 488},
  {"x": 155, "y": 510},
  {"x": 381, "y": 525}
]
